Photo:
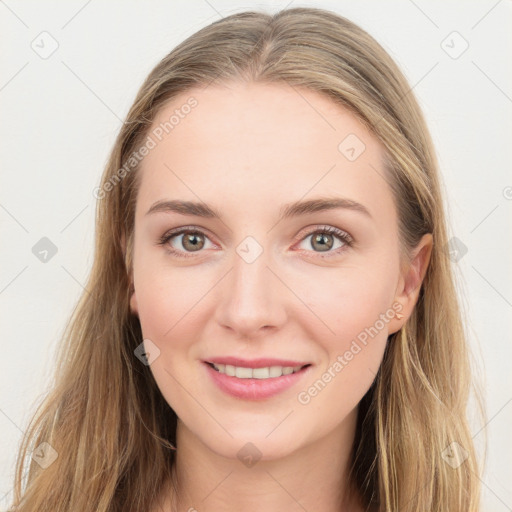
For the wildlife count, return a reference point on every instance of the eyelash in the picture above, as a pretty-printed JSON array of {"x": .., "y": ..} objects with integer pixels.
[{"x": 342, "y": 235}]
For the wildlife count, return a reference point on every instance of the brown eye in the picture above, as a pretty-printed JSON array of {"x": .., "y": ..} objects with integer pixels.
[
  {"x": 192, "y": 241},
  {"x": 328, "y": 240},
  {"x": 322, "y": 241}
]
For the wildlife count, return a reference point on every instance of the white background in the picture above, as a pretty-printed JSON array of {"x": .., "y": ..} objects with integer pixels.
[{"x": 60, "y": 116}]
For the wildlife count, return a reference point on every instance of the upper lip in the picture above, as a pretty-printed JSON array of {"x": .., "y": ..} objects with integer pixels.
[{"x": 254, "y": 363}]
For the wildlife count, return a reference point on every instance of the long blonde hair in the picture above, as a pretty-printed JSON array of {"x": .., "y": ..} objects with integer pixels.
[{"x": 105, "y": 416}]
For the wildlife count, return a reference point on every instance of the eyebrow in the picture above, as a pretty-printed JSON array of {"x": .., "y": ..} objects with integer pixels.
[{"x": 295, "y": 209}]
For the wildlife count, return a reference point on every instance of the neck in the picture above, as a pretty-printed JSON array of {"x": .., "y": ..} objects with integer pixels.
[{"x": 315, "y": 477}]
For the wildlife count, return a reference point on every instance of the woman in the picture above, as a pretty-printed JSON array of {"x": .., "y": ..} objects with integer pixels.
[{"x": 259, "y": 373}]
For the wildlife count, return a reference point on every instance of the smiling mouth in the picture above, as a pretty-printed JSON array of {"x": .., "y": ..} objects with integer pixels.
[{"x": 268, "y": 372}]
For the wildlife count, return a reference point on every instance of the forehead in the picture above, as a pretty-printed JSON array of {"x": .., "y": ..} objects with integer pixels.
[{"x": 270, "y": 143}]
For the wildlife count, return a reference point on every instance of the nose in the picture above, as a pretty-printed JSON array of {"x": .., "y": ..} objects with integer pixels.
[{"x": 251, "y": 299}]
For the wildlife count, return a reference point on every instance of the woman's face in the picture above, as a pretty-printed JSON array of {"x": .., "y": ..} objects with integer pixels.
[{"x": 251, "y": 284}]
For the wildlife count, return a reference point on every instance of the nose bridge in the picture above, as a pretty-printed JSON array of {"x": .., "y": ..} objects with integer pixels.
[{"x": 248, "y": 298}]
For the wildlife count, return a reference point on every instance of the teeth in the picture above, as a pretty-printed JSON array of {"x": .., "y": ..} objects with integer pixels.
[{"x": 255, "y": 373}]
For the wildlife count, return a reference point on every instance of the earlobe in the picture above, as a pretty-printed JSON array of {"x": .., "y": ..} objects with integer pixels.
[{"x": 410, "y": 282}]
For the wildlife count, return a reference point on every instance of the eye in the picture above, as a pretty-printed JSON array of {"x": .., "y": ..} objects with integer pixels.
[
  {"x": 184, "y": 240},
  {"x": 324, "y": 239}
]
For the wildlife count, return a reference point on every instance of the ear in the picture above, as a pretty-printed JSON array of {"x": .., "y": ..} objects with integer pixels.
[
  {"x": 409, "y": 284},
  {"x": 133, "y": 297}
]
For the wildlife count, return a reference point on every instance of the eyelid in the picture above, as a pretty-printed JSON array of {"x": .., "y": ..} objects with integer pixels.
[
  {"x": 341, "y": 234},
  {"x": 325, "y": 228},
  {"x": 185, "y": 229}
]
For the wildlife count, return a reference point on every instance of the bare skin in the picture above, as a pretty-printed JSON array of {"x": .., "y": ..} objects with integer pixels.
[{"x": 246, "y": 150}]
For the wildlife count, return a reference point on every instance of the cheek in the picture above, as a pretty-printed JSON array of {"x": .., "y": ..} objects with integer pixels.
[
  {"x": 349, "y": 300},
  {"x": 169, "y": 305},
  {"x": 153, "y": 299},
  {"x": 356, "y": 308},
  {"x": 165, "y": 296}
]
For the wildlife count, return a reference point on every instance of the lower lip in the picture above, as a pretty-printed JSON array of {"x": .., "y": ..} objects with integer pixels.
[{"x": 254, "y": 389}]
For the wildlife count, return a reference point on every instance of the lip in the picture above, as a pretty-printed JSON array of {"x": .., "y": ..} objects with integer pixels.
[
  {"x": 254, "y": 389},
  {"x": 262, "y": 362}
]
